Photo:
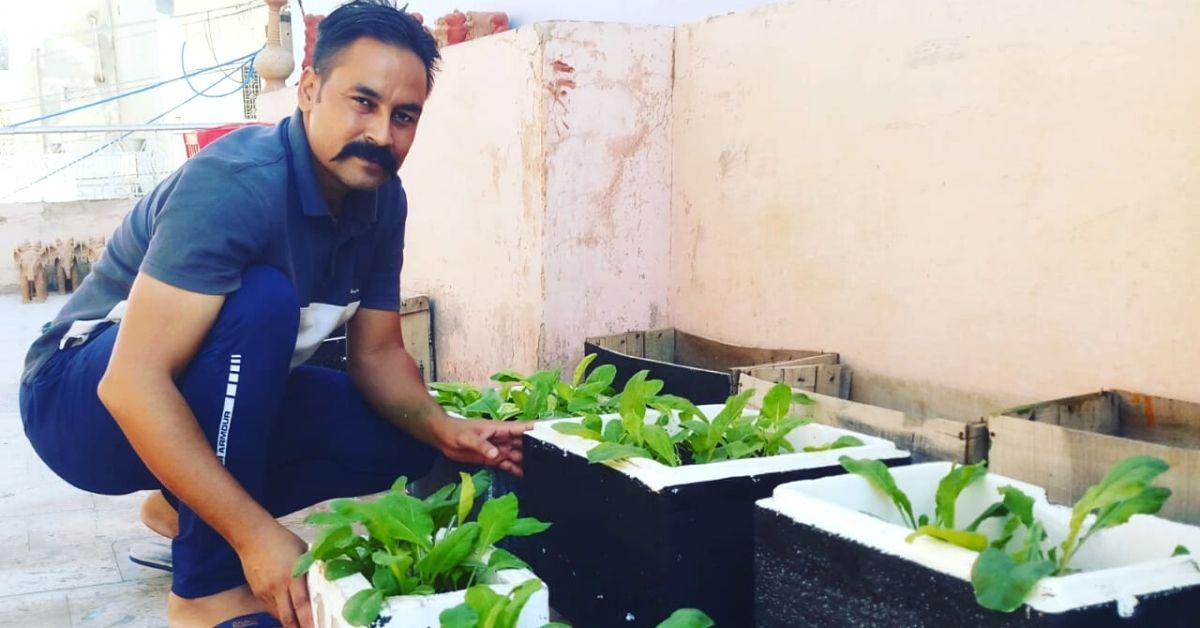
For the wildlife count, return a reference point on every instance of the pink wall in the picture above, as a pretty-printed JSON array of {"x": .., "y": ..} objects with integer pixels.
[{"x": 1000, "y": 198}]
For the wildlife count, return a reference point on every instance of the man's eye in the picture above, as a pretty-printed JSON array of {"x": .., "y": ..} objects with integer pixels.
[
  {"x": 362, "y": 101},
  {"x": 402, "y": 118}
]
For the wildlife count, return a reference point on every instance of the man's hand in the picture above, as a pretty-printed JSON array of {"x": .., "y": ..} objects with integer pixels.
[
  {"x": 267, "y": 562},
  {"x": 493, "y": 443}
]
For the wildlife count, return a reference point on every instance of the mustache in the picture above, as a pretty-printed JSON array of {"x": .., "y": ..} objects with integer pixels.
[{"x": 359, "y": 148}]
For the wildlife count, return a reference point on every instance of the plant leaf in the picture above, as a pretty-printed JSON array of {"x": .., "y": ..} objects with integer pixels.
[
  {"x": 507, "y": 375},
  {"x": 995, "y": 510},
  {"x": 950, "y": 487},
  {"x": 363, "y": 607},
  {"x": 482, "y": 599},
  {"x": 613, "y": 432},
  {"x": 615, "y": 451},
  {"x": 495, "y": 519},
  {"x": 842, "y": 442},
  {"x": 602, "y": 375},
  {"x": 877, "y": 474},
  {"x": 527, "y": 526},
  {"x": 325, "y": 545},
  {"x": 504, "y": 559},
  {"x": 303, "y": 563},
  {"x": 582, "y": 368},
  {"x": 461, "y": 616},
  {"x": 1148, "y": 502},
  {"x": 1001, "y": 584},
  {"x": 660, "y": 443},
  {"x": 777, "y": 402},
  {"x": 340, "y": 568},
  {"x": 1018, "y": 503},
  {"x": 1180, "y": 550},
  {"x": 520, "y": 596},
  {"x": 454, "y": 548},
  {"x": 1126, "y": 480},
  {"x": 687, "y": 618},
  {"x": 575, "y": 429},
  {"x": 466, "y": 497},
  {"x": 973, "y": 541}
]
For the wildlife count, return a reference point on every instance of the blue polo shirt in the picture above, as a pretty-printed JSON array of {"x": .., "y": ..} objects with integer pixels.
[{"x": 249, "y": 198}]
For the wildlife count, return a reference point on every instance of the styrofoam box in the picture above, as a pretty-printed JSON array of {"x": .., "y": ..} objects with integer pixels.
[
  {"x": 415, "y": 611},
  {"x": 1116, "y": 565}
]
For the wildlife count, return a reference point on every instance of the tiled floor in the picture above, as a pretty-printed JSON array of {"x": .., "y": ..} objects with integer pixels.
[{"x": 64, "y": 551}]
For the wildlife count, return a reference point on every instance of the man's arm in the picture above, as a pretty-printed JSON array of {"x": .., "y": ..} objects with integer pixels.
[
  {"x": 159, "y": 335},
  {"x": 388, "y": 377}
]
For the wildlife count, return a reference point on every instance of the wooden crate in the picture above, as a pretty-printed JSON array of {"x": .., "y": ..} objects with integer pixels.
[
  {"x": 926, "y": 437},
  {"x": 1067, "y": 445},
  {"x": 707, "y": 371},
  {"x": 416, "y": 325}
]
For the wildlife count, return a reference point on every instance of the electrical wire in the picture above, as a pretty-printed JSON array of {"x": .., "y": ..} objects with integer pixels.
[
  {"x": 126, "y": 134},
  {"x": 130, "y": 93},
  {"x": 241, "y": 83},
  {"x": 235, "y": 9}
]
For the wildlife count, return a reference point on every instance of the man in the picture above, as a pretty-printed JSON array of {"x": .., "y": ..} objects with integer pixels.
[{"x": 174, "y": 366}]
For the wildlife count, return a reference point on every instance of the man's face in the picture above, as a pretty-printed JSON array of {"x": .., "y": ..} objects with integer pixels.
[{"x": 361, "y": 114}]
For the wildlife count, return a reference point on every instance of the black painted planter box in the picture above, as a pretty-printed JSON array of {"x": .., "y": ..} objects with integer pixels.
[
  {"x": 838, "y": 567},
  {"x": 621, "y": 552}
]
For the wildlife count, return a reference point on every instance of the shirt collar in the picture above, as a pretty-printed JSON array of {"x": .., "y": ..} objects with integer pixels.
[{"x": 360, "y": 206}]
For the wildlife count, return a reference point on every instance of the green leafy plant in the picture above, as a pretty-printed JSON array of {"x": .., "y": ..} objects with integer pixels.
[
  {"x": 681, "y": 618},
  {"x": 414, "y": 546},
  {"x": 1001, "y": 578},
  {"x": 531, "y": 397},
  {"x": 484, "y": 608},
  {"x": 731, "y": 434}
]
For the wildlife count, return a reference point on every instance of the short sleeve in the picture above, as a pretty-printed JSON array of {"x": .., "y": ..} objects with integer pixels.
[
  {"x": 382, "y": 289},
  {"x": 208, "y": 230}
]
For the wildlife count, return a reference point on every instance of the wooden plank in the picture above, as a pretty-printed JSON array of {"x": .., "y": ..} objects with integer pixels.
[
  {"x": 416, "y": 327},
  {"x": 1093, "y": 412},
  {"x": 829, "y": 380},
  {"x": 927, "y": 438},
  {"x": 922, "y": 398},
  {"x": 1158, "y": 419},
  {"x": 659, "y": 344},
  {"x": 717, "y": 356},
  {"x": 798, "y": 377},
  {"x": 1067, "y": 461}
]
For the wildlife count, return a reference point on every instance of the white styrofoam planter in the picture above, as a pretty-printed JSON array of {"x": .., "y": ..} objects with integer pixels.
[
  {"x": 415, "y": 611},
  {"x": 1117, "y": 566},
  {"x": 657, "y": 476}
]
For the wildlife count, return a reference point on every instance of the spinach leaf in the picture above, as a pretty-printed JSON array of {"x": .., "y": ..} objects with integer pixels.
[
  {"x": 973, "y": 541},
  {"x": 1001, "y": 584},
  {"x": 951, "y": 486},
  {"x": 877, "y": 474},
  {"x": 841, "y": 443},
  {"x": 687, "y": 618}
]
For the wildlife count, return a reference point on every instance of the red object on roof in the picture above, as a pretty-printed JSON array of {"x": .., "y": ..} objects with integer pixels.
[{"x": 197, "y": 140}]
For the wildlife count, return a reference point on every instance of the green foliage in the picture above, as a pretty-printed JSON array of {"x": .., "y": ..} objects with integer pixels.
[
  {"x": 484, "y": 608},
  {"x": 1002, "y": 579},
  {"x": 414, "y": 546},
  {"x": 682, "y": 434},
  {"x": 531, "y": 397}
]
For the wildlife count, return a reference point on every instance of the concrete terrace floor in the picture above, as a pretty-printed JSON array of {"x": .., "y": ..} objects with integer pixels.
[{"x": 65, "y": 551}]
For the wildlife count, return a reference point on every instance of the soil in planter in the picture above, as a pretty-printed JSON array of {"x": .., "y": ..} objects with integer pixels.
[
  {"x": 808, "y": 577},
  {"x": 619, "y": 554}
]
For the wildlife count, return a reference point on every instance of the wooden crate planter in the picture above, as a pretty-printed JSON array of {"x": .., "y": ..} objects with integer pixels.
[
  {"x": 634, "y": 540},
  {"x": 927, "y": 438},
  {"x": 706, "y": 371},
  {"x": 1067, "y": 444},
  {"x": 832, "y": 552},
  {"x": 416, "y": 323},
  {"x": 414, "y": 611}
]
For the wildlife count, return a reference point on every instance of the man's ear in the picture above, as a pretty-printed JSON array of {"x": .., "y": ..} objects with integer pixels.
[{"x": 309, "y": 89}]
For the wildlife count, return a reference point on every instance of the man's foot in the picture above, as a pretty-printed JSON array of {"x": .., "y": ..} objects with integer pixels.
[
  {"x": 158, "y": 515},
  {"x": 208, "y": 611}
]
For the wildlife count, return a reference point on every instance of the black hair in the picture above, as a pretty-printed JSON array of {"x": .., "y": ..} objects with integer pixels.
[{"x": 377, "y": 19}]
